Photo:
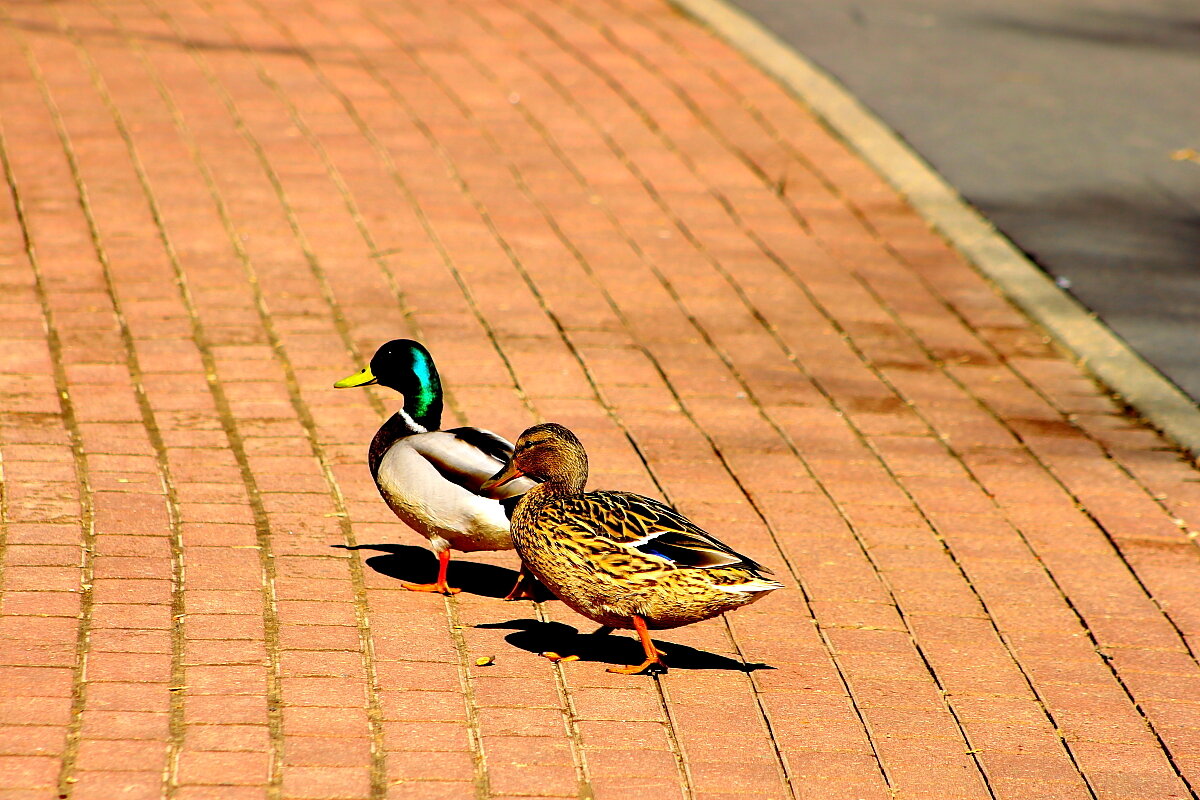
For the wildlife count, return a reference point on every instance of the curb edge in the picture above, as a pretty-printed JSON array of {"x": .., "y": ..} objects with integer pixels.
[{"x": 1098, "y": 349}]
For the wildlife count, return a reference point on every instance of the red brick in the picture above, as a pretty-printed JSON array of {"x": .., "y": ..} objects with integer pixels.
[
  {"x": 328, "y": 751},
  {"x": 546, "y": 779},
  {"x": 50, "y": 604},
  {"x": 120, "y": 696},
  {"x": 138, "y": 756},
  {"x": 217, "y": 768},
  {"x": 25, "y": 772},
  {"x": 548, "y": 255},
  {"x": 241, "y": 738},
  {"x": 626, "y": 706},
  {"x": 35, "y": 710},
  {"x": 225, "y": 710},
  {"x": 98, "y": 785},
  {"x": 423, "y": 706},
  {"x": 121, "y": 666},
  {"x": 32, "y": 740},
  {"x": 406, "y": 766},
  {"x": 36, "y": 681},
  {"x": 326, "y": 782},
  {"x": 125, "y": 725},
  {"x": 227, "y": 793},
  {"x": 624, "y": 762},
  {"x": 336, "y": 692},
  {"x": 325, "y": 722},
  {"x": 438, "y": 736}
]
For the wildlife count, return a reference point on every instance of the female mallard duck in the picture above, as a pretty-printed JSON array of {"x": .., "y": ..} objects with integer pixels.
[
  {"x": 432, "y": 478},
  {"x": 621, "y": 559}
]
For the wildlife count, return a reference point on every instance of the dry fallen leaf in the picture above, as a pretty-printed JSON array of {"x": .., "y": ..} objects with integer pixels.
[{"x": 486, "y": 661}]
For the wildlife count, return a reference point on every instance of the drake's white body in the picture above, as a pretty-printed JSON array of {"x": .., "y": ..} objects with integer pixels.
[{"x": 446, "y": 513}]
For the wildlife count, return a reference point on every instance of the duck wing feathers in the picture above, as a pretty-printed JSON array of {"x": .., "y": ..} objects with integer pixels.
[
  {"x": 654, "y": 529},
  {"x": 468, "y": 457},
  {"x": 495, "y": 446}
]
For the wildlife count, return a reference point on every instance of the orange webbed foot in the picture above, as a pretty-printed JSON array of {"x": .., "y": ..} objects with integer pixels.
[
  {"x": 650, "y": 666},
  {"x": 438, "y": 588},
  {"x": 653, "y": 662},
  {"x": 523, "y": 588}
]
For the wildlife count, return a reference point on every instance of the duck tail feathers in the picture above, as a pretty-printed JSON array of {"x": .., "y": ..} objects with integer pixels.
[{"x": 755, "y": 585}]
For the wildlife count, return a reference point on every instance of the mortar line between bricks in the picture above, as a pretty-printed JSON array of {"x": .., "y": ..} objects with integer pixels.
[
  {"x": 426, "y": 225},
  {"x": 568, "y": 164},
  {"x": 729, "y": 365},
  {"x": 149, "y": 421},
  {"x": 1079, "y": 616},
  {"x": 88, "y": 512},
  {"x": 941, "y": 365},
  {"x": 619, "y": 314},
  {"x": 900, "y": 258},
  {"x": 770, "y": 330},
  {"x": 866, "y": 285},
  {"x": 482, "y": 779},
  {"x": 379, "y": 782},
  {"x": 64, "y": 781},
  {"x": 612, "y": 412},
  {"x": 834, "y": 404},
  {"x": 950, "y": 308},
  {"x": 377, "y": 256},
  {"x": 633, "y": 244},
  {"x": 563, "y": 690},
  {"x": 483, "y": 783},
  {"x": 229, "y": 425},
  {"x": 4, "y": 491},
  {"x": 1046, "y": 468},
  {"x": 378, "y": 771},
  {"x": 958, "y": 565},
  {"x": 712, "y": 444},
  {"x": 685, "y": 778},
  {"x": 4, "y": 500}
]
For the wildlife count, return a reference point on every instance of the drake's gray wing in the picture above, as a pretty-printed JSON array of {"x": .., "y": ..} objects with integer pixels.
[{"x": 468, "y": 460}]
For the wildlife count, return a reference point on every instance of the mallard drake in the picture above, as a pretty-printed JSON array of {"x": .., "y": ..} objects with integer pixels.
[
  {"x": 620, "y": 559},
  {"x": 431, "y": 478}
]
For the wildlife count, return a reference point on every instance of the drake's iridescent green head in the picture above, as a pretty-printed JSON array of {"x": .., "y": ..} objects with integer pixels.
[{"x": 407, "y": 367}]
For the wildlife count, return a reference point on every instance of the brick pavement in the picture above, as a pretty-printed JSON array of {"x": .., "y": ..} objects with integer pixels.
[{"x": 595, "y": 213}]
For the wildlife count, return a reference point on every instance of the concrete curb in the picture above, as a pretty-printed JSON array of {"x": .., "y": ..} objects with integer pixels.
[{"x": 1098, "y": 349}]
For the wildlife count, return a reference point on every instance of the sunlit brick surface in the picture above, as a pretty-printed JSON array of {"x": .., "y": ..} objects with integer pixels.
[{"x": 591, "y": 212}]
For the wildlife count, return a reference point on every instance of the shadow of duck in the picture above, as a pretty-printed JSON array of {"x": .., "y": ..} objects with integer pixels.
[
  {"x": 416, "y": 564},
  {"x": 557, "y": 637}
]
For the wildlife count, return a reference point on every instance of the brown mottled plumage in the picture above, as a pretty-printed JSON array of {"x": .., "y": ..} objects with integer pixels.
[{"x": 621, "y": 559}]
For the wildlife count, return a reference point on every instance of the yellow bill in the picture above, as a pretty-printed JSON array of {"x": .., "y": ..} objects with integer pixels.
[{"x": 363, "y": 377}]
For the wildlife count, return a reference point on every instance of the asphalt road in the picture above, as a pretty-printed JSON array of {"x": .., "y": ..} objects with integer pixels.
[{"x": 1073, "y": 126}]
